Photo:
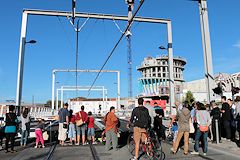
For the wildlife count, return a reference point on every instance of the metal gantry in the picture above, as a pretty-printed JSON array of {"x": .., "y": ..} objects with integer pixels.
[
  {"x": 86, "y": 71},
  {"x": 94, "y": 16},
  {"x": 80, "y": 88},
  {"x": 206, "y": 42}
]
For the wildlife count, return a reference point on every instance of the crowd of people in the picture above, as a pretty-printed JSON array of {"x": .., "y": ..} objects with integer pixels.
[
  {"x": 204, "y": 123},
  {"x": 195, "y": 120}
]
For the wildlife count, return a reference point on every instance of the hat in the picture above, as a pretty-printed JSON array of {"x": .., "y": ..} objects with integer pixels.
[{"x": 237, "y": 99}]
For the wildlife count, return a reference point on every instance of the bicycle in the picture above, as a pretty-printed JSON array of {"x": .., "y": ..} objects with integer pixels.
[{"x": 150, "y": 149}]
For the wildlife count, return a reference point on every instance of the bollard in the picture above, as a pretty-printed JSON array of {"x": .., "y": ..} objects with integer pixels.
[
  {"x": 50, "y": 134},
  {"x": 217, "y": 131}
]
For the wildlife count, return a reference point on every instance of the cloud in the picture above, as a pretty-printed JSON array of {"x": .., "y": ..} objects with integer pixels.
[{"x": 237, "y": 44}]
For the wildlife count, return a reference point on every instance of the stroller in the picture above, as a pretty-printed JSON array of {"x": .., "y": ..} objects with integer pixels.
[{"x": 171, "y": 132}]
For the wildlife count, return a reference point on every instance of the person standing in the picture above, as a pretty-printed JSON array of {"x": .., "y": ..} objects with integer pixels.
[
  {"x": 203, "y": 121},
  {"x": 226, "y": 117},
  {"x": 232, "y": 121},
  {"x": 25, "y": 121},
  {"x": 111, "y": 122},
  {"x": 63, "y": 123},
  {"x": 158, "y": 126},
  {"x": 216, "y": 115},
  {"x": 141, "y": 121},
  {"x": 82, "y": 115},
  {"x": 38, "y": 133},
  {"x": 151, "y": 111},
  {"x": 10, "y": 128},
  {"x": 91, "y": 130},
  {"x": 237, "y": 115},
  {"x": 71, "y": 128},
  {"x": 184, "y": 129}
]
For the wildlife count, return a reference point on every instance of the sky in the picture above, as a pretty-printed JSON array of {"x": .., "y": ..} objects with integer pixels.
[{"x": 56, "y": 43}]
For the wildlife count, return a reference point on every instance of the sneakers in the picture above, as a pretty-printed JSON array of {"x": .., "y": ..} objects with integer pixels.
[
  {"x": 94, "y": 143},
  {"x": 195, "y": 153},
  {"x": 204, "y": 154},
  {"x": 43, "y": 146},
  {"x": 36, "y": 147},
  {"x": 133, "y": 158},
  {"x": 76, "y": 144}
]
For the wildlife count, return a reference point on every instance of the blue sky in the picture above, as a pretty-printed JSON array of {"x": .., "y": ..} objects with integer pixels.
[{"x": 55, "y": 47}]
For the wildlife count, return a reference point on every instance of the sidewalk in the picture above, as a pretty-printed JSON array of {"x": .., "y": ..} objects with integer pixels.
[{"x": 226, "y": 147}]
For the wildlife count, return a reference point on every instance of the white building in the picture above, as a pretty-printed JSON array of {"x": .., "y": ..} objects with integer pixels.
[{"x": 198, "y": 87}]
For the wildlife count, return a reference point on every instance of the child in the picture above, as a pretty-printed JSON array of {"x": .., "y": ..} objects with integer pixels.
[
  {"x": 91, "y": 131},
  {"x": 71, "y": 130},
  {"x": 38, "y": 133}
]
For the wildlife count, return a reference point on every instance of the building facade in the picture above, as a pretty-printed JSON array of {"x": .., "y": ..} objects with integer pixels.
[
  {"x": 155, "y": 76},
  {"x": 198, "y": 87}
]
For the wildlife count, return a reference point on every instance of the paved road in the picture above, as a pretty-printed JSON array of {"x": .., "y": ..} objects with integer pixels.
[{"x": 85, "y": 153}]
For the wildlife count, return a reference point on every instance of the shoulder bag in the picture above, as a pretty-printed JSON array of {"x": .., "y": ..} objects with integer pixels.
[
  {"x": 80, "y": 121},
  {"x": 192, "y": 129},
  {"x": 203, "y": 128}
]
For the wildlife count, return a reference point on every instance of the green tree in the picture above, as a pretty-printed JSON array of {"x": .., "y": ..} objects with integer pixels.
[
  {"x": 188, "y": 97},
  {"x": 49, "y": 103}
]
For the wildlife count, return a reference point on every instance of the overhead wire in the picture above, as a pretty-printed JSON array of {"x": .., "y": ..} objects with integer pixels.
[{"x": 114, "y": 48}]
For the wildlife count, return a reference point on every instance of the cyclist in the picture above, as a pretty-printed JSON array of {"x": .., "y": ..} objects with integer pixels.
[{"x": 141, "y": 121}]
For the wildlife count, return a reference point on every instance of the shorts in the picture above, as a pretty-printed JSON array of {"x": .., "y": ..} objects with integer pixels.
[
  {"x": 71, "y": 131},
  {"x": 139, "y": 134},
  {"x": 91, "y": 132},
  {"x": 62, "y": 132},
  {"x": 81, "y": 130}
]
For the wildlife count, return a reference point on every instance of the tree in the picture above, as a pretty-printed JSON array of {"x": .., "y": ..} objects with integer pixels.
[
  {"x": 49, "y": 103},
  {"x": 189, "y": 97}
]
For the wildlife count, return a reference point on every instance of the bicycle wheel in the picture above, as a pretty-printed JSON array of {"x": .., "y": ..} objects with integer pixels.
[{"x": 131, "y": 144}]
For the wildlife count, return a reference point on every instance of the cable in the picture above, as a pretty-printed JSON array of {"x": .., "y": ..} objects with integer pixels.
[
  {"x": 77, "y": 31},
  {"x": 64, "y": 30},
  {"x": 114, "y": 48}
]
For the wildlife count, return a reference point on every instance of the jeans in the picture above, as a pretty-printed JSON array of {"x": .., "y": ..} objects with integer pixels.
[
  {"x": 205, "y": 142},
  {"x": 111, "y": 136},
  {"x": 81, "y": 129},
  {"x": 91, "y": 132},
  {"x": 71, "y": 131},
  {"x": 24, "y": 137}
]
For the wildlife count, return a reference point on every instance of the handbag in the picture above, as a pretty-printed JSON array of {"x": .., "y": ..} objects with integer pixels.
[
  {"x": 80, "y": 121},
  {"x": 203, "y": 128},
  {"x": 192, "y": 129},
  {"x": 45, "y": 136}
]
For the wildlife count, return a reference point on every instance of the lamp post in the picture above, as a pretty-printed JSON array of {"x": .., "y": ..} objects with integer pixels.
[
  {"x": 20, "y": 69},
  {"x": 170, "y": 74}
]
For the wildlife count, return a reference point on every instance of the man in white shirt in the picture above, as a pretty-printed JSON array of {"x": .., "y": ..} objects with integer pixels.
[{"x": 151, "y": 111}]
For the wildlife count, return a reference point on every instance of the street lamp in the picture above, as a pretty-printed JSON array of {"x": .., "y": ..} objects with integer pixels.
[
  {"x": 31, "y": 41},
  {"x": 23, "y": 42},
  {"x": 162, "y": 47}
]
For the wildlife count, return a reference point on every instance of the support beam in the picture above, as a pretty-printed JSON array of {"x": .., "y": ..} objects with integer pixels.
[
  {"x": 207, "y": 51},
  {"x": 94, "y": 16},
  {"x": 21, "y": 59},
  {"x": 170, "y": 66},
  {"x": 74, "y": 70},
  {"x": 65, "y": 14}
]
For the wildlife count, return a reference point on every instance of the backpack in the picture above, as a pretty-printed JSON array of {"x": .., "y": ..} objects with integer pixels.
[{"x": 141, "y": 118}]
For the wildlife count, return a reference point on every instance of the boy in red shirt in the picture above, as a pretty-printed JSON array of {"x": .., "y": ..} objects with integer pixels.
[{"x": 91, "y": 131}]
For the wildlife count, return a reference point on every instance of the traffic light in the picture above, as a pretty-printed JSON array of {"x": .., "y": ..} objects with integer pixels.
[
  {"x": 218, "y": 90},
  {"x": 235, "y": 90}
]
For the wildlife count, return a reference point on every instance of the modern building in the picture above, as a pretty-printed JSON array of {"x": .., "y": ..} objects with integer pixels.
[{"x": 155, "y": 76}]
